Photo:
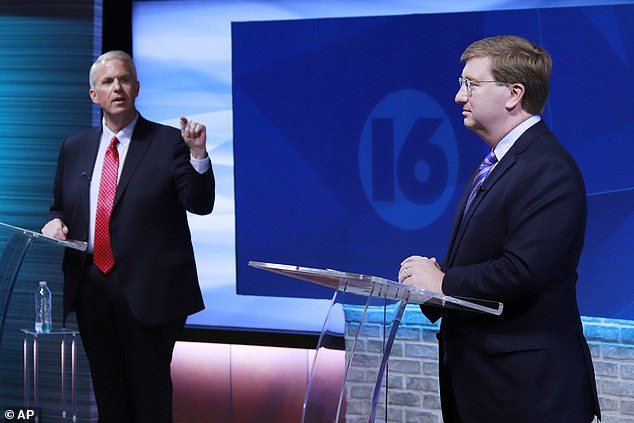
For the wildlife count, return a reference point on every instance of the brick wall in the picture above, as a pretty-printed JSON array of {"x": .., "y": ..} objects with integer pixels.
[
  {"x": 612, "y": 345},
  {"x": 413, "y": 373}
]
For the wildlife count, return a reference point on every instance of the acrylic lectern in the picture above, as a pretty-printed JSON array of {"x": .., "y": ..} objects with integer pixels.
[
  {"x": 15, "y": 248},
  {"x": 369, "y": 288},
  {"x": 12, "y": 256}
]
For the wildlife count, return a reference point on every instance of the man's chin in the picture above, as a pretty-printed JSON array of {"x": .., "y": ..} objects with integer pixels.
[
  {"x": 121, "y": 111},
  {"x": 120, "y": 108}
]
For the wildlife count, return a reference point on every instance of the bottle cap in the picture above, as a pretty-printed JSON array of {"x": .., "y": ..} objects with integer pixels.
[{"x": 42, "y": 283}]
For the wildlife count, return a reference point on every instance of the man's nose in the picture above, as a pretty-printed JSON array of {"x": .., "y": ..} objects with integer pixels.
[{"x": 462, "y": 96}]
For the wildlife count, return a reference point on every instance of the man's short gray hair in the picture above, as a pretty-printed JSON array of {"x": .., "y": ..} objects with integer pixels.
[{"x": 111, "y": 55}]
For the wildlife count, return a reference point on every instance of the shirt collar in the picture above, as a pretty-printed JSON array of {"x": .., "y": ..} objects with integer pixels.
[
  {"x": 125, "y": 135},
  {"x": 507, "y": 142}
]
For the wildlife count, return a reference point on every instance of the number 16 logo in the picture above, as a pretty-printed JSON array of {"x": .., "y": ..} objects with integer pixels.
[{"x": 408, "y": 159}]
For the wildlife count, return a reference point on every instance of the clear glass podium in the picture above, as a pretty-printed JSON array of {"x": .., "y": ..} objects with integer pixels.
[
  {"x": 12, "y": 256},
  {"x": 15, "y": 249},
  {"x": 394, "y": 297}
]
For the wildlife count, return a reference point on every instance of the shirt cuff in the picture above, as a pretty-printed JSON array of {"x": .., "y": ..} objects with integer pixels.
[{"x": 202, "y": 165}]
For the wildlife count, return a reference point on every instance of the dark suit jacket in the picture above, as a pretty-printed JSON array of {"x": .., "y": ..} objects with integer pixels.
[
  {"x": 519, "y": 243},
  {"x": 150, "y": 237}
]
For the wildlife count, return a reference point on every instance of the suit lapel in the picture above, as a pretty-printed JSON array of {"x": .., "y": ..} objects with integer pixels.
[
  {"x": 498, "y": 171},
  {"x": 496, "y": 176},
  {"x": 88, "y": 154},
  {"x": 139, "y": 143}
]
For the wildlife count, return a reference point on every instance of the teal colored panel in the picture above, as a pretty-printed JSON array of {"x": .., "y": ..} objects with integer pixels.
[{"x": 44, "y": 64}]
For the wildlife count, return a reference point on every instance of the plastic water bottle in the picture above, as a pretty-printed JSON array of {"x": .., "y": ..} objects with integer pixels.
[{"x": 43, "y": 309}]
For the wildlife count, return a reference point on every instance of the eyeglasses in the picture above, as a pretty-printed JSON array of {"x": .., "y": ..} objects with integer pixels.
[{"x": 470, "y": 85}]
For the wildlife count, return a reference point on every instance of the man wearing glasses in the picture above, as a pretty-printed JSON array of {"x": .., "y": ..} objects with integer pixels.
[{"x": 516, "y": 238}]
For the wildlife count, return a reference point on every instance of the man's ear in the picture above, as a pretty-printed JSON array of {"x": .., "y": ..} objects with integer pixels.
[
  {"x": 137, "y": 88},
  {"x": 93, "y": 96},
  {"x": 517, "y": 95}
]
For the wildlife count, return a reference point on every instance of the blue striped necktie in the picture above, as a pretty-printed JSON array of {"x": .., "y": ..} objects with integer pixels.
[{"x": 481, "y": 175}]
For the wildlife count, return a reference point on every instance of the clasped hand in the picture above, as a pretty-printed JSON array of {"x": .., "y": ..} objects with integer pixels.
[
  {"x": 421, "y": 272},
  {"x": 55, "y": 228}
]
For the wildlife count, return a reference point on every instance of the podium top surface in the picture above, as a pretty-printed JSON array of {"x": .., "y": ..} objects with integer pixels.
[
  {"x": 71, "y": 243},
  {"x": 59, "y": 332},
  {"x": 367, "y": 285}
]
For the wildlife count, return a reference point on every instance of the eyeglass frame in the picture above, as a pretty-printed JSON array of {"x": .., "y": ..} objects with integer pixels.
[{"x": 470, "y": 83}]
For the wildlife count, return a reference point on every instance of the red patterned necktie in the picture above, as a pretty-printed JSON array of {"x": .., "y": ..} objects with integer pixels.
[
  {"x": 103, "y": 258},
  {"x": 481, "y": 175}
]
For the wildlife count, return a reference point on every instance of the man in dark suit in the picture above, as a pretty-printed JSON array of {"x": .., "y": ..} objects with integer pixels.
[
  {"x": 516, "y": 238},
  {"x": 125, "y": 187}
]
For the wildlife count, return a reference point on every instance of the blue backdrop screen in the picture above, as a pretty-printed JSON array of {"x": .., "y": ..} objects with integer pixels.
[{"x": 350, "y": 152}]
